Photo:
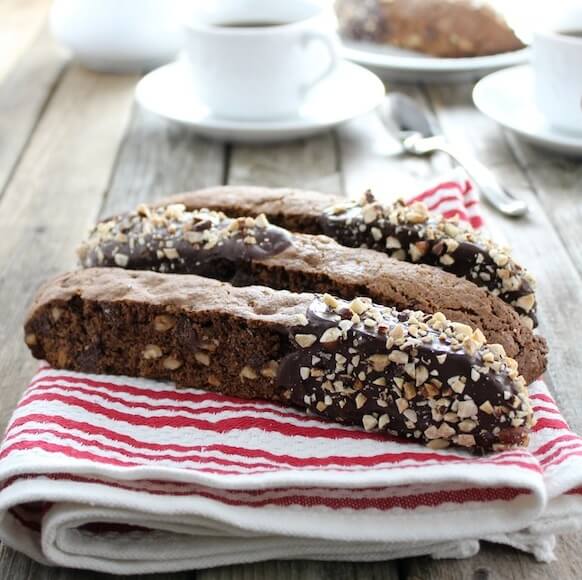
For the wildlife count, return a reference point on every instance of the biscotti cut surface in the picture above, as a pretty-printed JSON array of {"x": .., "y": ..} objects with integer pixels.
[
  {"x": 247, "y": 251},
  {"x": 409, "y": 233},
  {"x": 405, "y": 373}
]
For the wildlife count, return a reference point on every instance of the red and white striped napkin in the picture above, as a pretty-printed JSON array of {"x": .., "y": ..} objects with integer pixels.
[{"x": 133, "y": 476}]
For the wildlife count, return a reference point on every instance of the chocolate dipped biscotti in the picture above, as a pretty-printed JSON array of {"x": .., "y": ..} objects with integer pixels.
[
  {"x": 409, "y": 233},
  {"x": 406, "y": 373},
  {"x": 249, "y": 251}
]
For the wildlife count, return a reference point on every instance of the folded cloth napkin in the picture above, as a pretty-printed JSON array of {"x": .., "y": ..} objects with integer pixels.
[{"x": 133, "y": 476}]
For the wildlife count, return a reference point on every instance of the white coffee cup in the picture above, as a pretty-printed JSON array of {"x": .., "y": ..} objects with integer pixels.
[
  {"x": 258, "y": 59},
  {"x": 557, "y": 61}
]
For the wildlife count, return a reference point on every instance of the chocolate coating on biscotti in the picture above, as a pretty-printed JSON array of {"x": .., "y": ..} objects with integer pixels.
[
  {"x": 404, "y": 373},
  {"x": 318, "y": 264},
  {"x": 172, "y": 239},
  {"x": 412, "y": 234}
]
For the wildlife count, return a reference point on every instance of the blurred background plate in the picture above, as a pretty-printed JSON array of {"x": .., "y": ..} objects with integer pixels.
[
  {"x": 508, "y": 97},
  {"x": 397, "y": 64},
  {"x": 350, "y": 92}
]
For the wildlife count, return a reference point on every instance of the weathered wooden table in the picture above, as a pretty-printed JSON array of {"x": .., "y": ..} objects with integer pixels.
[{"x": 73, "y": 147}]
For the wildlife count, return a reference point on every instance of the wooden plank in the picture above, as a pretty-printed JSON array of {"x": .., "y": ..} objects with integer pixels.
[
  {"x": 20, "y": 23},
  {"x": 302, "y": 569},
  {"x": 52, "y": 198},
  {"x": 495, "y": 562},
  {"x": 15, "y": 566},
  {"x": 558, "y": 184},
  {"x": 24, "y": 93},
  {"x": 307, "y": 163},
  {"x": 159, "y": 158}
]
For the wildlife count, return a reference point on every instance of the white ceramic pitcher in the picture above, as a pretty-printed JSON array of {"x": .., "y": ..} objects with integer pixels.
[{"x": 120, "y": 35}]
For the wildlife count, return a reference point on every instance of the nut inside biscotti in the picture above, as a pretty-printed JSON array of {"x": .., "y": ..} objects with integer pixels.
[
  {"x": 248, "y": 251},
  {"x": 405, "y": 373}
]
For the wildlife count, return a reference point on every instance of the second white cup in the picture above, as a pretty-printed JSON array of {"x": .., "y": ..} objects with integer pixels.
[
  {"x": 557, "y": 61},
  {"x": 258, "y": 59}
]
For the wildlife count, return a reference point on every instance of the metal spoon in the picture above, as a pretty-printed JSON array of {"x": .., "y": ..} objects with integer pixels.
[{"x": 412, "y": 126}]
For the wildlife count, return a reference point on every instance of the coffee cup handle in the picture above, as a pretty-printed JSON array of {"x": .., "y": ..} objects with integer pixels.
[{"x": 334, "y": 59}]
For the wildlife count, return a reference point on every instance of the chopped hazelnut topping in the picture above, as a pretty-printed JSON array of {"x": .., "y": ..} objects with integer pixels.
[
  {"x": 151, "y": 351},
  {"x": 369, "y": 422}
]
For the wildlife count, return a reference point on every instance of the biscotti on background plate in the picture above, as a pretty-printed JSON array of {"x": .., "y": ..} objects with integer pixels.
[
  {"x": 394, "y": 328},
  {"x": 400, "y": 372},
  {"x": 247, "y": 251}
]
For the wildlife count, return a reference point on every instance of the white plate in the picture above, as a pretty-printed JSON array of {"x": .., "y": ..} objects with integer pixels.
[
  {"x": 507, "y": 97},
  {"x": 397, "y": 64},
  {"x": 348, "y": 93}
]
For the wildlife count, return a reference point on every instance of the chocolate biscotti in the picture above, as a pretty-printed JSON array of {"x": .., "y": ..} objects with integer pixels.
[
  {"x": 409, "y": 233},
  {"x": 442, "y": 28},
  {"x": 248, "y": 251},
  {"x": 405, "y": 373}
]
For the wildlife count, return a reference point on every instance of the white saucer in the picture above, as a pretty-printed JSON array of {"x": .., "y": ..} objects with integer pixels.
[
  {"x": 397, "y": 64},
  {"x": 348, "y": 93},
  {"x": 508, "y": 97}
]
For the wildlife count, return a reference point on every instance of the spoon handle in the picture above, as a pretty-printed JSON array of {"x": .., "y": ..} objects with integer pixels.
[{"x": 483, "y": 177}]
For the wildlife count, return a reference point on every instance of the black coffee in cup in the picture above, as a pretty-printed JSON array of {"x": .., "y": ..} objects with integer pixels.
[{"x": 574, "y": 33}]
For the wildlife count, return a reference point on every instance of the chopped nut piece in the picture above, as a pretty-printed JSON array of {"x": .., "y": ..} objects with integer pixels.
[
  {"x": 121, "y": 260},
  {"x": 330, "y": 301},
  {"x": 369, "y": 422},
  {"x": 410, "y": 415},
  {"x": 248, "y": 373},
  {"x": 409, "y": 391},
  {"x": 202, "y": 358},
  {"x": 305, "y": 340},
  {"x": 465, "y": 440},
  {"x": 401, "y": 404},
  {"x": 466, "y": 409},
  {"x": 171, "y": 253},
  {"x": 467, "y": 425},
  {"x": 332, "y": 334},
  {"x": 261, "y": 221},
  {"x": 30, "y": 339},
  {"x": 360, "y": 400},
  {"x": 438, "y": 444},
  {"x": 56, "y": 313},
  {"x": 213, "y": 381},
  {"x": 164, "y": 322},
  {"x": 383, "y": 420},
  {"x": 172, "y": 363},
  {"x": 379, "y": 362},
  {"x": 358, "y": 306},
  {"x": 487, "y": 407},
  {"x": 398, "y": 357},
  {"x": 270, "y": 369},
  {"x": 421, "y": 375},
  {"x": 151, "y": 351}
]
